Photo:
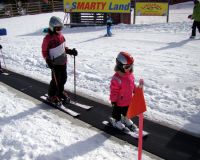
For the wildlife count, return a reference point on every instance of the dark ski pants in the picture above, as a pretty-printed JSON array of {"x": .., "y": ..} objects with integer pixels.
[
  {"x": 117, "y": 111},
  {"x": 109, "y": 30},
  {"x": 195, "y": 25},
  {"x": 58, "y": 80}
]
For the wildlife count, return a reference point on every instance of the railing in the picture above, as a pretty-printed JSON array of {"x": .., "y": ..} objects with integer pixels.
[{"x": 10, "y": 10}]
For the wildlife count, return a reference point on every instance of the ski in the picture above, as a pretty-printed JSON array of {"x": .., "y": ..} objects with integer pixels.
[
  {"x": 6, "y": 74},
  {"x": 61, "y": 107},
  {"x": 84, "y": 106},
  {"x": 3, "y": 72},
  {"x": 134, "y": 134}
]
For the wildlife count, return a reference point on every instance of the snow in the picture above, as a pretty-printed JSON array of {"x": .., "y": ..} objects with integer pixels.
[
  {"x": 165, "y": 58},
  {"x": 30, "y": 131}
]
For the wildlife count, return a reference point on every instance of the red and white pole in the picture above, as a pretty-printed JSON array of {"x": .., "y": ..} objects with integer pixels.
[{"x": 140, "y": 140}]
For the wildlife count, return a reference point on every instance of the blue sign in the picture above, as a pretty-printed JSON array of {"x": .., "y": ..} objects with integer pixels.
[{"x": 3, "y": 32}]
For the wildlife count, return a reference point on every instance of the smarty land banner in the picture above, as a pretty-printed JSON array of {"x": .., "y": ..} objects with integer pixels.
[{"x": 98, "y": 6}]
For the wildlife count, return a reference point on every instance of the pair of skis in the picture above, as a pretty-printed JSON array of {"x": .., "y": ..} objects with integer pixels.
[
  {"x": 65, "y": 108},
  {"x": 134, "y": 134},
  {"x": 84, "y": 106}
]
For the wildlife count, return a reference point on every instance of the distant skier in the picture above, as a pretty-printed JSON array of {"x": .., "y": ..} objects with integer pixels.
[
  {"x": 109, "y": 24},
  {"x": 54, "y": 51},
  {"x": 196, "y": 17},
  {"x": 121, "y": 91}
]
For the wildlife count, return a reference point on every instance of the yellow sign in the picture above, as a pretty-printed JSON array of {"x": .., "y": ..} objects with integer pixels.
[
  {"x": 151, "y": 9},
  {"x": 99, "y": 6}
]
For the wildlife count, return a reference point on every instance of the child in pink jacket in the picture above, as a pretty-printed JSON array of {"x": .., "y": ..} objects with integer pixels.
[{"x": 121, "y": 91}]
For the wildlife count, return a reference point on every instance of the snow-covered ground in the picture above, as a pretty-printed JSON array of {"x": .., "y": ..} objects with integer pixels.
[
  {"x": 32, "y": 131},
  {"x": 165, "y": 58}
]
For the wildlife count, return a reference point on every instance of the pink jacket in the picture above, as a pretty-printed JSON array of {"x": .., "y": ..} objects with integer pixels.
[{"x": 121, "y": 89}]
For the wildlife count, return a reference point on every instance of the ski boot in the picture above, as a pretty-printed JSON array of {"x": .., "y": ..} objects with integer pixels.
[
  {"x": 1, "y": 69},
  {"x": 54, "y": 100},
  {"x": 117, "y": 124},
  {"x": 192, "y": 37},
  {"x": 65, "y": 98},
  {"x": 129, "y": 124}
]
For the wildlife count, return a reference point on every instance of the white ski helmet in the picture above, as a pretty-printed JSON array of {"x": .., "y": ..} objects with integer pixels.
[
  {"x": 55, "y": 22},
  {"x": 123, "y": 61}
]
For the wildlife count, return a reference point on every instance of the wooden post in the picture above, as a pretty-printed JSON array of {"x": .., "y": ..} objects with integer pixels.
[
  {"x": 11, "y": 9},
  {"x": 52, "y": 3},
  {"x": 40, "y": 9},
  {"x": 134, "y": 17},
  {"x": 168, "y": 12},
  {"x": 121, "y": 18}
]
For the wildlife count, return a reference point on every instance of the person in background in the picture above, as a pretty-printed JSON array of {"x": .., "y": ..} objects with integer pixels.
[
  {"x": 121, "y": 91},
  {"x": 54, "y": 52},
  {"x": 109, "y": 23},
  {"x": 196, "y": 17}
]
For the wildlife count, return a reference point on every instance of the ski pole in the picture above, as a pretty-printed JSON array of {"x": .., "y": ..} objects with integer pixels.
[
  {"x": 75, "y": 78},
  {"x": 55, "y": 79},
  {"x": 3, "y": 59}
]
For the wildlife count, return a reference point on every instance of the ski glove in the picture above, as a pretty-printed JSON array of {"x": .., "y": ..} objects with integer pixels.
[
  {"x": 1, "y": 47},
  {"x": 50, "y": 63},
  {"x": 113, "y": 104},
  {"x": 73, "y": 51},
  {"x": 190, "y": 16},
  {"x": 141, "y": 83}
]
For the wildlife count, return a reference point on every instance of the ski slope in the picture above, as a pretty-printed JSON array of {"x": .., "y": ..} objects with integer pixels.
[{"x": 164, "y": 57}]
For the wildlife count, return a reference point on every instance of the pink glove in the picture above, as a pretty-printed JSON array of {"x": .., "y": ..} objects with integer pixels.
[{"x": 141, "y": 83}]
